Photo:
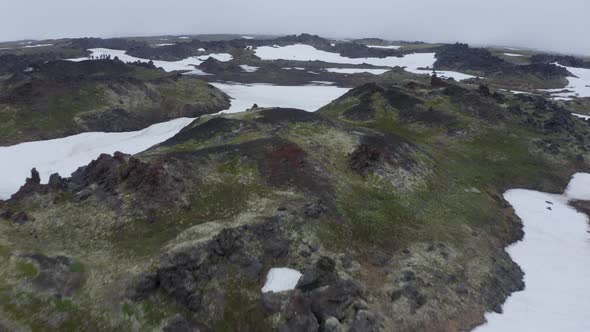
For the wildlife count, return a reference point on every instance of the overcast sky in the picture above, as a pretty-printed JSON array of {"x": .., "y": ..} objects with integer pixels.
[{"x": 552, "y": 25}]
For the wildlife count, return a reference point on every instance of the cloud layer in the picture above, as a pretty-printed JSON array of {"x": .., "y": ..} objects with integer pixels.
[{"x": 550, "y": 25}]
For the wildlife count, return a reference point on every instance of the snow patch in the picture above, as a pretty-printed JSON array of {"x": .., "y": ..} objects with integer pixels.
[
  {"x": 223, "y": 57},
  {"x": 247, "y": 37},
  {"x": 65, "y": 155},
  {"x": 249, "y": 69},
  {"x": 389, "y": 47},
  {"x": 581, "y": 116},
  {"x": 417, "y": 63},
  {"x": 323, "y": 82},
  {"x": 579, "y": 187},
  {"x": 26, "y": 46},
  {"x": 578, "y": 87},
  {"x": 37, "y": 45},
  {"x": 553, "y": 254},
  {"x": 281, "y": 279},
  {"x": 357, "y": 71},
  {"x": 512, "y": 54},
  {"x": 516, "y": 92},
  {"x": 305, "y": 97},
  {"x": 186, "y": 65}
]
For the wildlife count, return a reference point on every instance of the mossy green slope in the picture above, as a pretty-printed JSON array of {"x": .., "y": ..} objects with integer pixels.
[
  {"x": 62, "y": 98},
  {"x": 409, "y": 178}
]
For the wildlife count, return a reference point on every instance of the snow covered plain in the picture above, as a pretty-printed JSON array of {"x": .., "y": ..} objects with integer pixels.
[
  {"x": 187, "y": 65},
  {"x": 65, "y": 155},
  {"x": 281, "y": 279},
  {"x": 414, "y": 63},
  {"x": 306, "y": 97},
  {"x": 555, "y": 256}
]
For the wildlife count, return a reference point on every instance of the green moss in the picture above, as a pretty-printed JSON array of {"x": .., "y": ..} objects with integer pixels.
[
  {"x": 242, "y": 311},
  {"x": 63, "y": 197},
  {"x": 186, "y": 90},
  {"x": 26, "y": 269},
  {"x": 498, "y": 158},
  {"x": 230, "y": 166},
  {"x": 20, "y": 306},
  {"x": 305, "y": 129},
  {"x": 146, "y": 74},
  {"x": 153, "y": 312},
  {"x": 518, "y": 82},
  {"x": 45, "y": 314},
  {"x": 63, "y": 106},
  {"x": 63, "y": 305},
  {"x": 194, "y": 145},
  {"x": 77, "y": 267},
  {"x": 215, "y": 200},
  {"x": 373, "y": 214},
  {"x": 126, "y": 309},
  {"x": 8, "y": 125},
  {"x": 4, "y": 252}
]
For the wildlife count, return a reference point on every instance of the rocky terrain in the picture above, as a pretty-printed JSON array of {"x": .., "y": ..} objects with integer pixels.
[
  {"x": 388, "y": 200},
  {"x": 60, "y": 98},
  {"x": 482, "y": 62},
  {"x": 566, "y": 60}
]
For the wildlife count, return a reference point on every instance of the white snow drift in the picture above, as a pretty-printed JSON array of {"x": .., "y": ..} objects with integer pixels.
[
  {"x": 281, "y": 279},
  {"x": 187, "y": 65},
  {"x": 357, "y": 71},
  {"x": 579, "y": 187},
  {"x": 306, "y": 97},
  {"x": 390, "y": 47},
  {"x": 249, "y": 69},
  {"x": 65, "y": 155},
  {"x": 581, "y": 116},
  {"x": 578, "y": 86},
  {"x": 554, "y": 255},
  {"x": 417, "y": 63}
]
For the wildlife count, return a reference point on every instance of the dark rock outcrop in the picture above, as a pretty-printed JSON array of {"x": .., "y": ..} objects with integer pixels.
[
  {"x": 56, "y": 275},
  {"x": 564, "y": 60},
  {"x": 180, "y": 324},
  {"x": 462, "y": 57}
]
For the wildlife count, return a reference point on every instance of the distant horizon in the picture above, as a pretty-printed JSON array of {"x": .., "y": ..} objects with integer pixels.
[
  {"x": 481, "y": 45},
  {"x": 532, "y": 24}
]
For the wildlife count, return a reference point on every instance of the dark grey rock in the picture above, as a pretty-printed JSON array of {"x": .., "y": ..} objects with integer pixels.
[{"x": 179, "y": 324}]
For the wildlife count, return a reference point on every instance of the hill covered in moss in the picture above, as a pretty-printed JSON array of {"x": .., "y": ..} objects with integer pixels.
[
  {"x": 60, "y": 98},
  {"x": 388, "y": 200}
]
